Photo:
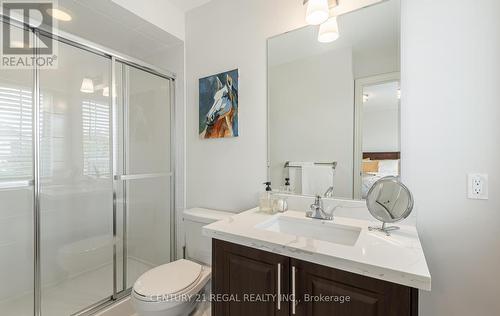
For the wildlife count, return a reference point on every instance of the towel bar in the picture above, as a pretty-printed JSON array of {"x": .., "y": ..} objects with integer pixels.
[{"x": 333, "y": 164}]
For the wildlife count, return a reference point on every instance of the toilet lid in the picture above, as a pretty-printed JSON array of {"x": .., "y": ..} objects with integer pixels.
[{"x": 168, "y": 279}]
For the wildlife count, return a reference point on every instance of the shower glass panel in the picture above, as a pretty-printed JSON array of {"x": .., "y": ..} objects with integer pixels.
[
  {"x": 76, "y": 192},
  {"x": 86, "y": 180},
  {"x": 144, "y": 186},
  {"x": 16, "y": 191}
]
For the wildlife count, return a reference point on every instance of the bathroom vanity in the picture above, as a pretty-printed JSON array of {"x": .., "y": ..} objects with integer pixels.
[{"x": 287, "y": 264}]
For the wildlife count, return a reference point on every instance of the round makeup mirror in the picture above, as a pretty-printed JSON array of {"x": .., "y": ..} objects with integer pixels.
[{"x": 389, "y": 201}]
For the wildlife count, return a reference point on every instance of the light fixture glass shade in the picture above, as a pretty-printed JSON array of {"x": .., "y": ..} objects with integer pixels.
[
  {"x": 59, "y": 15},
  {"x": 317, "y": 12},
  {"x": 87, "y": 86},
  {"x": 105, "y": 92},
  {"x": 328, "y": 31}
]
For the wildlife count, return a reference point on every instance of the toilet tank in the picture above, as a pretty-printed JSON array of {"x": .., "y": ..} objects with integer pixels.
[{"x": 199, "y": 247}]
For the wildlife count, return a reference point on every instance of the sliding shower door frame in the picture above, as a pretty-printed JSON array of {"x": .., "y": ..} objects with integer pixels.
[
  {"x": 36, "y": 186},
  {"x": 114, "y": 58}
]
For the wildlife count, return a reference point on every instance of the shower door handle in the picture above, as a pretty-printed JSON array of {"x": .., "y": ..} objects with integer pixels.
[
  {"x": 16, "y": 184},
  {"x": 126, "y": 177}
]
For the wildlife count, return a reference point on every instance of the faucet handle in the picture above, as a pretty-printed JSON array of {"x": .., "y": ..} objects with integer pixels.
[{"x": 318, "y": 201}]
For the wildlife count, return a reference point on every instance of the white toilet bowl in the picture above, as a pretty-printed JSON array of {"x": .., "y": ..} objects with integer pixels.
[{"x": 172, "y": 289}]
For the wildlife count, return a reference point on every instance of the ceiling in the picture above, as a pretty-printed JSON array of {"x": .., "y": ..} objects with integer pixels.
[
  {"x": 186, "y": 5},
  {"x": 110, "y": 25},
  {"x": 375, "y": 28}
]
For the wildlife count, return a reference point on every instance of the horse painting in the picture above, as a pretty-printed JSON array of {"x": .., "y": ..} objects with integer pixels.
[{"x": 219, "y": 105}]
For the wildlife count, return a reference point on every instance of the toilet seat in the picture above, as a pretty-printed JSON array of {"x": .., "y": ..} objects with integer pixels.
[{"x": 169, "y": 281}]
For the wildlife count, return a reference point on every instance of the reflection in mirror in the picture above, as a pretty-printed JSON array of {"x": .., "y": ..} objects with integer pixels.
[
  {"x": 317, "y": 131},
  {"x": 377, "y": 113}
]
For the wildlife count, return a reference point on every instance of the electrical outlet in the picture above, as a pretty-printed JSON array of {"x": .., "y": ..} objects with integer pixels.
[{"x": 477, "y": 186}]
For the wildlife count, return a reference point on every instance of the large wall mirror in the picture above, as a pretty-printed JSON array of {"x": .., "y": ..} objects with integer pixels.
[{"x": 334, "y": 108}]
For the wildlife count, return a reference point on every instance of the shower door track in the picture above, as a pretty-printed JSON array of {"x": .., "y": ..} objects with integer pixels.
[{"x": 114, "y": 57}]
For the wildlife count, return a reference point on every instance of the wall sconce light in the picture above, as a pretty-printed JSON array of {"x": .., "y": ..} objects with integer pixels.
[
  {"x": 59, "y": 14},
  {"x": 91, "y": 85},
  {"x": 87, "y": 85},
  {"x": 329, "y": 31},
  {"x": 318, "y": 13}
]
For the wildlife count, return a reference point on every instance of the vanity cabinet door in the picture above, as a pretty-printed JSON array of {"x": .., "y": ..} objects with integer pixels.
[
  {"x": 247, "y": 281},
  {"x": 323, "y": 291}
]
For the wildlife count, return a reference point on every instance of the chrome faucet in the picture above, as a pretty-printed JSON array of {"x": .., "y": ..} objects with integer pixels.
[
  {"x": 328, "y": 193},
  {"x": 316, "y": 210}
]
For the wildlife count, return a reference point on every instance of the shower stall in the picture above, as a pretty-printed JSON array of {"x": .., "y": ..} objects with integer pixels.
[{"x": 86, "y": 179}]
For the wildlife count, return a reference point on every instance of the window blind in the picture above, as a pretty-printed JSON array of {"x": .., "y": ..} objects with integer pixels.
[
  {"x": 16, "y": 134},
  {"x": 96, "y": 132}
]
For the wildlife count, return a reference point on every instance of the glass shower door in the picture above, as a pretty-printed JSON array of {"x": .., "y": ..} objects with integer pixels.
[
  {"x": 86, "y": 181},
  {"x": 76, "y": 200},
  {"x": 16, "y": 191},
  {"x": 144, "y": 176}
]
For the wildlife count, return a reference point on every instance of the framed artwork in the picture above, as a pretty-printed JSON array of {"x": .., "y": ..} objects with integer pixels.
[{"x": 218, "y": 102}]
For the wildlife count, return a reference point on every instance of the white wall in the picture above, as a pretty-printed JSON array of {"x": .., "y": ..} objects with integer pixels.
[
  {"x": 311, "y": 110},
  {"x": 381, "y": 130},
  {"x": 450, "y": 110},
  {"x": 222, "y": 35},
  {"x": 387, "y": 60}
]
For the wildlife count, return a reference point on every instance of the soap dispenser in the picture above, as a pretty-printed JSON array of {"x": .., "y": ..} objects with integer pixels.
[
  {"x": 265, "y": 200},
  {"x": 287, "y": 188}
]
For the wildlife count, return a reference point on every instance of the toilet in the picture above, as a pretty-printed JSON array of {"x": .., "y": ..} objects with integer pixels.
[{"x": 174, "y": 289}]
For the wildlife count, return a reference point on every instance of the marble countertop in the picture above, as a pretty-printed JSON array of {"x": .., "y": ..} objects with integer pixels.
[{"x": 397, "y": 258}]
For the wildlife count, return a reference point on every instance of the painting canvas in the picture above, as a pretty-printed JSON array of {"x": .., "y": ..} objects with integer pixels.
[{"x": 219, "y": 105}]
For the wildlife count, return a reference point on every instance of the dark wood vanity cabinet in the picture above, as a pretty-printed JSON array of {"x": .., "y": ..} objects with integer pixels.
[
  {"x": 244, "y": 278},
  {"x": 245, "y": 282},
  {"x": 367, "y": 296}
]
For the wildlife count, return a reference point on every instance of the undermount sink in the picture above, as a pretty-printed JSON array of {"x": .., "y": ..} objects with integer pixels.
[{"x": 311, "y": 228}]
